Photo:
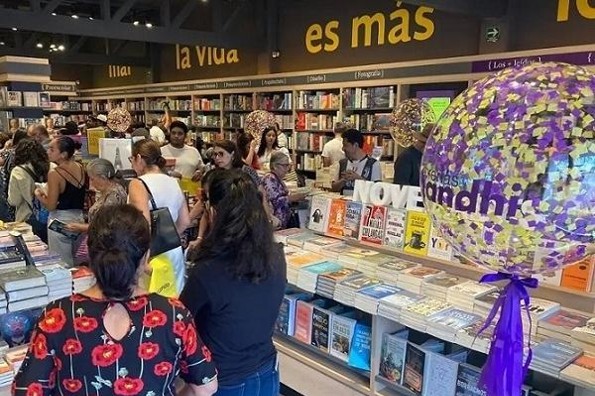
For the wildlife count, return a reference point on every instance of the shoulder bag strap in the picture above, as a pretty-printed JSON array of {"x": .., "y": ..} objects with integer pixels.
[
  {"x": 148, "y": 192},
  {"x": 29, "y": 172}
]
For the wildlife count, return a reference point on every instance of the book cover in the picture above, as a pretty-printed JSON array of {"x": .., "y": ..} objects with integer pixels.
[
  {"x": 582, "y": 370},
  {"x": 342, "y": 327},
  {"x": 379, "y": 97},
  {"x": 372, "y": 225},
  {"x": 321, "y": 322},
  {"x": 454, "y": 318},
  {"x": 379, "y": 291},
  {"x": 93, "y": 137},
  {"x": 441, "y": 375},
  {"x": 438, "y": 247},
  {"x": 336, "y": 221},
  {"x": 353, "y": 216},
  {"x": 468, "y": 381},
  {"x": 303, "y": 321},
  {"x": 319, "y": 213},
  {"x": 394, "y": 234},
  {"x": 392, "y": 358},
  {"x": 413, "y": 377},
  {"x": 555, "y": 353},
  {"x": 31, "y": 99},
  {"x": 21, "y": 278},
  {"x": 360, "y": 352},
  {"x": 564, "y": 320},
  {"x": 15, "y": 99},
  {"x": 417, "y": 233},
  {"x": 117, "y": 151},
  {"x": 381, "y": 122},
  {"x": 286, "y": 320},
  {"x": 44, "y": 99},
  {"x": 579, "y": 276}
]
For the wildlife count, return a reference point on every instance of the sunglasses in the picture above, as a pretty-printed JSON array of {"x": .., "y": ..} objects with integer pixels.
[{"x": 218, "y": 154}]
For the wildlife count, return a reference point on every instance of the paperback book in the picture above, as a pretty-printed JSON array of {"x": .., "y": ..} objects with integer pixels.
[
  {"x": 353, "y": 217},
  {"x": 336, "y": 221},
  {"x": 394, "y": 234},
  {"x": 392, "y": 356},
  {"x": 319, "y": 213},
  {"x": 417, "y": 233},
  {"x": 373, "y": 223},
  {"x": 343, "y": 326}
]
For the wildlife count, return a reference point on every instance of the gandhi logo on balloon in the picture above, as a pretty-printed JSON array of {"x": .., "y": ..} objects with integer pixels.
[{"x": 508, "y": 173}]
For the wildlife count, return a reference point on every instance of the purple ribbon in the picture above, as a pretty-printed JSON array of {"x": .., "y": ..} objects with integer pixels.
[{"x": 504, "y": 371}]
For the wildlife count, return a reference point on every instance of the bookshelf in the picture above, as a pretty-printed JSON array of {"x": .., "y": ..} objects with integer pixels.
[{"x": 207, "y": 116}]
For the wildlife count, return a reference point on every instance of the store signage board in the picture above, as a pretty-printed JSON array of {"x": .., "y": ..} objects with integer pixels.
[
  {"x": 57, "y": 87},
  {"x": 575, "y": 58}
]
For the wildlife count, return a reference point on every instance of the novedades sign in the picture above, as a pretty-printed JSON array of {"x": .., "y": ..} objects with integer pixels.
[{"x": 399, "y": 26}]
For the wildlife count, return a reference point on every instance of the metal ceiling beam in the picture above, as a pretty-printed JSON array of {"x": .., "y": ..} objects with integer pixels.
[
  {"x": 77, "y": 46},
  {"x": 184, "y": 13},
  {"x": 60, "y": 24},
  {"x": 106, "y": 12},
  {"x": 233, "y": 17},
  {"x": 51, "y": 7},
  {"x": 123, "y": 10},
  {"x": 165, "y": 13},
  {"x": 78, "y": 58},
  {"x": 119, "y": 46},
  {"x": 477, "y": 8}
]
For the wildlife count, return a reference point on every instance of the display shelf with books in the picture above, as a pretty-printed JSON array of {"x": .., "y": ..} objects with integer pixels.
[
  {"x": 157, "y": 104},
  {"x": 181, "y": 104},
  {"x": 274, "y": 102},
  {"x": 135, "y": 105},
  {"x": 103, "y": 105}
]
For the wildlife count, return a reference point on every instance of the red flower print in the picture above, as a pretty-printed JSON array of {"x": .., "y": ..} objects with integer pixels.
[
  {"x": 128, "y": 386},
  {"x": 72, "y": 347},
  {"x": 179, "y": 328},
  {"x": 78, "y": 297},
  {"x": 57, "y": 363},
  {"x": 206, "y": 353},
  {"x": 53, "y": 320},
  {"x": 174, "y": 302},
  {"x": 52, "y": 379},
  {"x": 34, "y": 389},
  {"x": 154, "y": 318},
  {"x": 72, "y": 385},
  {"x": 106, "y": 355},
  {"x": 190, "y": 340},
  {"x": 138, "y": 303},
  {"x": 184, "y": 366},
  {"x": 163, "y": 368},
  {"x": 39, "y": 346},
  {"x": 148, "y": 350},
  {"x": 85, "y": 324}
]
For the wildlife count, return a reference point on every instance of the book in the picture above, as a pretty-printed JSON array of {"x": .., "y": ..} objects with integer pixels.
[
  {"x": 286, "y": 320},
  {"x": 468, "y": 381},
  {"x": 117, "y": 151},
  {"x": 31, "y": 99},
  {"x": 15, "y": 99},
  {"x": 554, "y": 354},
  {"x": 438, "y": 247},
  {"x": 342, "y": 328},
  {"x": 353, "y": 216},
  {"x": 579, "y": 276},
  {"x": 394, "y": 233},
  {"x": 581, "y": 371},
  {"x": 392, "y": 356},
  {"x": 321, "y": 321},
  {"x": 372, "y": 224},
  {"x": 25, "y": 294},
  {"x": 417, "y": 233},
  {"x": 94, "y": 135},
  {"x": 29, "y": 303},
  {"x": 319, "y": 213},
  {"x": 336, "y": 221},
  {"x": 22, "y": 278},
  {"x": 440, "y": 377},
  {"x": 413, "y": 377},
  {"x": 360, "y": 352},
  {"x": 303, "y": 318}
]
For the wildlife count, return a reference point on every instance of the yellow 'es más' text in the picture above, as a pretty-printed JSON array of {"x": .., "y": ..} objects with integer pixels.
[
  {"x": 400, "y": 26},
  {"x": 583, "y": 8}
]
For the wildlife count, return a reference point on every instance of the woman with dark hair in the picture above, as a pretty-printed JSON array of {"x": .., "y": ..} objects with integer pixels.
[
  {"x": 31, "y": 166},
  {"x": 236, "y": 286},
  {"x": 65, "y": 194},
  {"x": 226, "y": 155},
  {"x": 148, "y": 163},
  {"x": 247, "y": 146},
  {"x": 269, "y": 143},
  {"x": 115, "y": 338}
]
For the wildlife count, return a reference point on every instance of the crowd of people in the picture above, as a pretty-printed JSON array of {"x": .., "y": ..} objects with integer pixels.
[{"x": 217, "y": 337}]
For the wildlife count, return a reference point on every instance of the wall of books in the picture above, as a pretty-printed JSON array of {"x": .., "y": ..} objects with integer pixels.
[{"x": 377, "y": 293}]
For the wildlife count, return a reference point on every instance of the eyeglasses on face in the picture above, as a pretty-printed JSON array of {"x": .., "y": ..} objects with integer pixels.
[
  {"x": 284, "y": 165},
  {"x": 217, "y": 154}
]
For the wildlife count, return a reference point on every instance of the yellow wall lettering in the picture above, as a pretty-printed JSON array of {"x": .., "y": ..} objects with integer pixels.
[
  {"x": 185, "y": 57},
  {"x": 563, "y": 10},
  {"x": 400, "y": 32},
  {"x": 313, "y": 38},
  {"x": 584, "y": 8},
  {"x": 233, "y": 56},
  {"x": 219, "y": 56},
  {"x": 331, "y": 33},
  {"x": 367, "y": 22},
  {"x": 205, "y": 56},
  {"x": 424, "y": 22},
  {"x": 114, "y": 71}
]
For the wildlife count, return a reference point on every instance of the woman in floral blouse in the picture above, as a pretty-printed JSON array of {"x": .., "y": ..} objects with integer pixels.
[
  {"x": 116, "y": 339},
  {"x": 276, "y": 191}
]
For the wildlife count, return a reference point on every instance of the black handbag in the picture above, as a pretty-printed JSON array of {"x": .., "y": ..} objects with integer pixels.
[{"x": 164, "y": 234}]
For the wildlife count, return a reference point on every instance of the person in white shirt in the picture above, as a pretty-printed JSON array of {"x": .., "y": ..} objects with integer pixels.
[
  {"x": 332, "y": 152},
  {"x": 156, "y": 132},
  {"x": 189, "y": 163},
  {"x": 356, "y": 166},
  {"x": 269, "y": 143}
]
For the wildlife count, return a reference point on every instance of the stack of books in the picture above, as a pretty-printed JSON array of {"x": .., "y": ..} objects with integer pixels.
[
  {"x": 282, "y": 235},
  {"x": 412, "y": 278},
  {"x": 552, "y": 356},
  {"x": 308, "y": 276},
  {"x": 327, "y": 283},
  {"x": 298, "y": 240},
  {"x": 369, "y": 266},
  {"x": 356, "y": 257},
  {"x": 346, "y": 290},
  {"x": 82, "y": 279},
  {"x": 3, "y": 302},
  {"x": 367, "y": 300},
  {"x": 321, "y": 243},
  {"x": 16, "y": 356},
  {"x": 471, "y": 338},
  {"x": 560, "y": 324},
  {"x": 464, "y": 294},
  {"x": 25, "y": 288},
  {"x": 58, "y": 280},
  {"x": 389, "y": 272},
  {"x": 448, "y": 323},
  {"x": 584, "y": 336},
  {"x": 416, "y": 315},
  {"x": 437, "y": 286},
  {"x": 539, "y": 309},
  {"x": 581, "y": 371},
  {"x": 6, "y": 373},
  {"x": 297, "y": 259},
  {"x": 10, "y": 256},
  {"x": 335, "y": 251},
  {"x": 483, "y": 304},
  {"x": 391, "y": 307}
]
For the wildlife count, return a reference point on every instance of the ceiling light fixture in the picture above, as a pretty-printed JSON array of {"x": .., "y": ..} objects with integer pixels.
[
  {"x": 53, "y": 46},
  {"x": 91, "y": 18},
  {"x": 54, "y": 14},
  {"x": 2, "y": 43},
  {"x": 61, "y": 47},
  {"x": 39, "y": 45},
  {"x": 14, "y": 29},
  {"x": 149, "y": 25},
  {"x": 74, "y": 16},
  {"x": 136, "y": 23}
]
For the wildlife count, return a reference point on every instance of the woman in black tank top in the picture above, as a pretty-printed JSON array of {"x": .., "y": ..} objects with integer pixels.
[{"x": 64, "y": 196}]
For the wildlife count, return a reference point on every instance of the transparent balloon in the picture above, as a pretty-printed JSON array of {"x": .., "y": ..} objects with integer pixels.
[
  {"x": 119, "y": 119},
  {"x": 409, "y": 117},
  {"x": 257, "y": 121},
  {"x": 508, "y": 173}
]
